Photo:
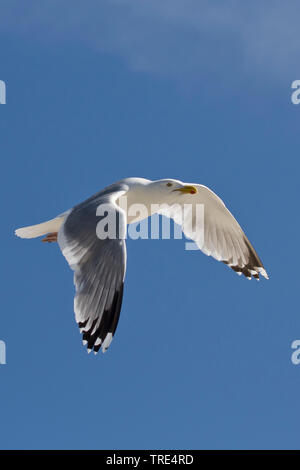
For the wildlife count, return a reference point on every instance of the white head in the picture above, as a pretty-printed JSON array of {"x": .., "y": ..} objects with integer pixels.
[
  {"x": 149, "y": 192},
  {"x": 170, "y": 186}
]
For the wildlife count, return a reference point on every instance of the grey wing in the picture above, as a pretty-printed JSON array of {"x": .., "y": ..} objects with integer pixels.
[
  {"x": 225, "y": 240},
  {"x": 218, "y": 234},
  {"x": 99, "y": 266}
]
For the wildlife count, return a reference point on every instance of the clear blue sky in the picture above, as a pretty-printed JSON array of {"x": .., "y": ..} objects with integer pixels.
[{"x": 98, "y": 92}]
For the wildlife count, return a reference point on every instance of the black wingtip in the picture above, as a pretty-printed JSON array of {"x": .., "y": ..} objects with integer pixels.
[
  {"x": 108, "y": 324},
  {"x": 254, "y": 268}
]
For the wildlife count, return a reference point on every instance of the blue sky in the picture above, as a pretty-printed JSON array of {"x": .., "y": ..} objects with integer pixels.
[{"x": 98, "y": 91}]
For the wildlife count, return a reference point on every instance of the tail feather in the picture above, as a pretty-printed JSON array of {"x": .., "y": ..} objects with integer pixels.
[{"x": 34, "y": 231}]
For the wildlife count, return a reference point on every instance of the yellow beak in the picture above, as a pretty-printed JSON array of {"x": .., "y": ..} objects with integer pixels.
[{"x": 188, "y": 189}]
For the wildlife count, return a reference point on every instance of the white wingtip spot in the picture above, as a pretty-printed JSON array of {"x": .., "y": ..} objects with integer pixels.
[
  {"x": 263, "y": 272},
  {"x": 84, "y": 342},
  {"x": 88, "y": 350},
  {"x": 106, "y": 342}
]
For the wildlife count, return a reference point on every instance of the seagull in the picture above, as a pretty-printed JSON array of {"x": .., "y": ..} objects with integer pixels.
[{"x": 98, "y": 257}]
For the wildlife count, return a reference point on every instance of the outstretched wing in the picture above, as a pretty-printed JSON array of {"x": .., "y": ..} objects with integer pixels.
[
  {"x": 99, "y": 268},
  {"x": 218, "y": 234}
]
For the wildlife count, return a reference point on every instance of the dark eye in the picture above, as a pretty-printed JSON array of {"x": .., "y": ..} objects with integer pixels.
[{"x": 169, "y": 184}]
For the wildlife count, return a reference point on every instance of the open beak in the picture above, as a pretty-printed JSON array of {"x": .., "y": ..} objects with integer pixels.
[{"x": 188, "y": 189}]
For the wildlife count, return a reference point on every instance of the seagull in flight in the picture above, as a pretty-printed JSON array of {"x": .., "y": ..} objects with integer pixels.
[{"x": 99, "y": 260}]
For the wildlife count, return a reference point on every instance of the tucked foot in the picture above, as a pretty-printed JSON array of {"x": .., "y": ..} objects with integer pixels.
[{"x": 51, "y": 237}]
